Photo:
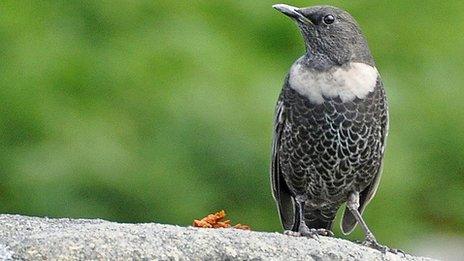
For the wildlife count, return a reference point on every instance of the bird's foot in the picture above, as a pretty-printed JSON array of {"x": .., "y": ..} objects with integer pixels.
[
  {"x": 321, "y": 232},
  {"x": 396, "y": 251},
  {"x": 292, "y": 233},
  {"x": 371, "y": 242},
  {"x": 311, "y": 233}
]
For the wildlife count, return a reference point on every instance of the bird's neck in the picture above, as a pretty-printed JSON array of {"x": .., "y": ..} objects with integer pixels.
[
  {"x": 318, "y": 61},
  {"x": 322, "y": 57}
]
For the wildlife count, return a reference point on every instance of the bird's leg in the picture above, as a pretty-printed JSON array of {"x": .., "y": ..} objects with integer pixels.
[
  {"x": 353, "y": 205},
  {"x": 303, "y": 229}
]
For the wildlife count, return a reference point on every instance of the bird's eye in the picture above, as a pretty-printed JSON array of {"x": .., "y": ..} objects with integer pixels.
[{"x": 328, "y": 19}]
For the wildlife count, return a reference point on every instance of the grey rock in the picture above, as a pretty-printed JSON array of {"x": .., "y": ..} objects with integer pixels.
[
  {"x": 5, "y": 253},
  {"x": 33, "y": 238}
]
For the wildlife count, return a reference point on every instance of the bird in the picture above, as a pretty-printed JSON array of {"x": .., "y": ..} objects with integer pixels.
[{"x": 330, "y": 127}]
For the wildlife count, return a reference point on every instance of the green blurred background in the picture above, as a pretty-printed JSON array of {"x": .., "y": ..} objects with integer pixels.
[{"x": 161, "y": 111}]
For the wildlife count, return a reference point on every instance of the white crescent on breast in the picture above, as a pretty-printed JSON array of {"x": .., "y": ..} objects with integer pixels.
[{"x": 356, "y": 80}]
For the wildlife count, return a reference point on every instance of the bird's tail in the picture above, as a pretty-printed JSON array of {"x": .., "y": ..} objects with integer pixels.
[
  {"x": 316, "y": 218},
  {"x": 319, "y": 223}
]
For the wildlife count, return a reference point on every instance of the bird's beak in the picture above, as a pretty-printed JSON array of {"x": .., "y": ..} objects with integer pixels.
[{"x": 292, "y": 12}]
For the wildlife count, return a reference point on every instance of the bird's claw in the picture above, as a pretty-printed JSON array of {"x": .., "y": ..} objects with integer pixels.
[
  {"x": 372, "y": 243},
  {"x": 311, "y": 233},
  {"x": 396, "y": 251},
  {"x": 322, "y": 232},
  {"x": 292, "y": 233}
]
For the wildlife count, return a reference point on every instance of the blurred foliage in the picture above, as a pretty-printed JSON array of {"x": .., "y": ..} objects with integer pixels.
[{"x": 142, "y": 111}]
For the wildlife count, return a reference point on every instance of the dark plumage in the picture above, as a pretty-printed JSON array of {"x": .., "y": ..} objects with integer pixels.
[{"x": 330, "y": 126}]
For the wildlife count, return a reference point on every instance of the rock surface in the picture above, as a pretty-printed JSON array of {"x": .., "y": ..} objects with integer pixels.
[{"x": 32, "y": 238}]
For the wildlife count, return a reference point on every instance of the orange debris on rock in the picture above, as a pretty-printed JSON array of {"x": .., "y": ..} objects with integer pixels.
[
  {"x": 241, "y": 226},
  {"x": 216, "y": 220}
]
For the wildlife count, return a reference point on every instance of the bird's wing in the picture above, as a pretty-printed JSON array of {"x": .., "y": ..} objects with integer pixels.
[
  {"x": 370, "y": 191},
  {"x": 349, "y": 221},
  {"x": 280, "y": 191}
]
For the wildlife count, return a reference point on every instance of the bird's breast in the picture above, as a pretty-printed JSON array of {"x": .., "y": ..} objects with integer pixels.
[{"x": 355, "y": 80}]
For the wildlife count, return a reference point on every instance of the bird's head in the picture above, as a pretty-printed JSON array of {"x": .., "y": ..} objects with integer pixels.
[{"x": 331, "y": 35}]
